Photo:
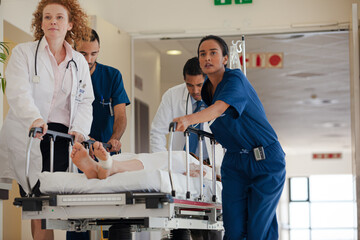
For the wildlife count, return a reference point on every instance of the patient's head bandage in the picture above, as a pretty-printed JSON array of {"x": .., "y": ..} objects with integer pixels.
[{"x": 106, "y": 164}]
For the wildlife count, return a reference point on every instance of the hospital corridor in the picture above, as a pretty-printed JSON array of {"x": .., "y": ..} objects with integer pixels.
[{"x": 289, "y": 94}]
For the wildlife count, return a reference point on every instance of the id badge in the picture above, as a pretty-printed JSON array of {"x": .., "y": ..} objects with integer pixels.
[
  {"x": 80, "y": 94},
  {"x": 259, "y": 153}
]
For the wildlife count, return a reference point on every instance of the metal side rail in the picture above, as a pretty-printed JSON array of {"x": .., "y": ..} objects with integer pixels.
[
  {"x": 201, "y": 135},
  {"x": 53, "y": 136}
]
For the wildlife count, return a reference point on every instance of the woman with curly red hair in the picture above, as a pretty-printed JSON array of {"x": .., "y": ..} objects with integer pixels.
[{"x": 48, "y": 86}]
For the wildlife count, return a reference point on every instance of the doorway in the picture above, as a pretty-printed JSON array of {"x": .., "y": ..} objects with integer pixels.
[{"x": 307, "y": 99}]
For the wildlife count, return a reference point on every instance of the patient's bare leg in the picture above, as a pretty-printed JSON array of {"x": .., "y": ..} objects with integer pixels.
[
  {"x": 117, "y": 166},
  {"x": 102, "y": 155},
  {"x": 83, "y": 161}
]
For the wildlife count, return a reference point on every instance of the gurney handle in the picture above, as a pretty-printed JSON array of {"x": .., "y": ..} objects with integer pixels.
[
  {"x": 200, "y": 132},
  {"x": 87, "y": 144},
  {"x": 53, "y": 134},
  {"x": 172, "y": 126}
]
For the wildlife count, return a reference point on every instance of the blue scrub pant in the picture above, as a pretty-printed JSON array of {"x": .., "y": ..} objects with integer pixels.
[{"x": 251, "y": 192}]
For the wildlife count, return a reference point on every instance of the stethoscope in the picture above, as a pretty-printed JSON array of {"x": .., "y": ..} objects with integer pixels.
[{"x": 36, "y": 78}]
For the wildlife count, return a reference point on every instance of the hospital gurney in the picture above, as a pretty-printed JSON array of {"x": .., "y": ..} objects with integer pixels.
[{"x": 130, "y": 201}]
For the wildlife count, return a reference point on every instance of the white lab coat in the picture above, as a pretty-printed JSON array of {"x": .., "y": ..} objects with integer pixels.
[
  {"x": 29, "y": 101},
  {"x": 173, "y": 105}
]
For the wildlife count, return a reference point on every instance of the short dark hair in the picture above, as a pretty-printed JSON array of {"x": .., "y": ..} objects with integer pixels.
[
  {"x": 94, "y": 36},
  {"x": 219, "y": 40},
  {"x": 192, "y": 67}
]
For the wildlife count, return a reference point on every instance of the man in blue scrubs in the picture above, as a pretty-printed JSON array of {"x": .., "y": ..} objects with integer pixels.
[{"x": 109, "y": 115}]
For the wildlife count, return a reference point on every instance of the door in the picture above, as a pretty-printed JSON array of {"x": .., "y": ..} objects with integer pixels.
[
  {"x": 355, "y": 104},
  {"x": 142, "y": 144}
]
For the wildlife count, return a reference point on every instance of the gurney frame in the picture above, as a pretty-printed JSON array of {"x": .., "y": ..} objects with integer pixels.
[{"x": 127, "y": 211}]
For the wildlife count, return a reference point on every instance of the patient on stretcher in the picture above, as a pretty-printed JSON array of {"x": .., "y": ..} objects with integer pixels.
[{"x": 109, "y": 165}]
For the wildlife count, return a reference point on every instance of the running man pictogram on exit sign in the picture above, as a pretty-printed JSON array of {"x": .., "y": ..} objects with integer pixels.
[
  {"x": 242, "y": 1},
  {"x": 228, "y": 2}
]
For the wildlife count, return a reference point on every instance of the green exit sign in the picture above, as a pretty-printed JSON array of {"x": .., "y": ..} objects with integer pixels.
[
  {"x": 222, "y": 2},
  {"x": 242, "y": 1}
]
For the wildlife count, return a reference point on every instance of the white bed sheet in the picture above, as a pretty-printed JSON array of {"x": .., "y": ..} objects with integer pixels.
[
  {"x": 154, "y": 177},
  {"x": 143, "y": 180}
]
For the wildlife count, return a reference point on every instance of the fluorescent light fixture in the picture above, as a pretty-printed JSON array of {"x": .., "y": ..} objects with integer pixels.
[
  {"x": 173, "y": 52},
  {"x": 317, "y": 102}
]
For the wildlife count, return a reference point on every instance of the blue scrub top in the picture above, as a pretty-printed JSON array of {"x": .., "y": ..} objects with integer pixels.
[
  {"x": 108, "y": 86},
  {"x": 244, "y": 124}
]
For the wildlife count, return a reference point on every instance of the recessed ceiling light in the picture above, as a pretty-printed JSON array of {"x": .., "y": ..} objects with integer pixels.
[
  {"x": 173, "y": 52},
  {"x": 304, "y": 75},
  {"x": 332, "y": 125}
]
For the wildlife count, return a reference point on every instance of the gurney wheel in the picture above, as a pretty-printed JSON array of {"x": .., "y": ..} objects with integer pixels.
[{"x": 120, "y": 231}]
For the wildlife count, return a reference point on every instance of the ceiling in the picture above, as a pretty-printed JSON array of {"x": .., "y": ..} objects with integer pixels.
[{"x": 307, "y": 101}]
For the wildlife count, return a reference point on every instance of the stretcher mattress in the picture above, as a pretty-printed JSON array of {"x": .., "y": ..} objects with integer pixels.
[
  {"x": 143, "y": 181},
  {"x": 151, "y": 179}
]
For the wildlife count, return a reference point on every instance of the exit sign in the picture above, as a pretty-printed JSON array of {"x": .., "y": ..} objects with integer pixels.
[
  {"x": 228, "y": 2},
  {"x": 222, "y": 2},
  {"x": 242, "y": 1}
]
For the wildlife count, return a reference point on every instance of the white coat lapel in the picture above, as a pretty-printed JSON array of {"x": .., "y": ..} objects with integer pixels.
[{"x": 44, "y": 59}]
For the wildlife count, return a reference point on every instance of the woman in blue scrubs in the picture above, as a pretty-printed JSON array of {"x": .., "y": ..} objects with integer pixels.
[{"x": 253, "y": 169}]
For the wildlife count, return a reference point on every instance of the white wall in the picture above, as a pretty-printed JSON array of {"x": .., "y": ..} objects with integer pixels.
[
  {"x": 173, "y": 64},
  {"x": 302, "y": 164},
  {"x": 147, "y": 67}
]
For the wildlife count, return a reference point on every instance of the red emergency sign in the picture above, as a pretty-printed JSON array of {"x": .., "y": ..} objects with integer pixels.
[
  {"x": 327, "y": 155},
  {"x": 263, "y": 60}
]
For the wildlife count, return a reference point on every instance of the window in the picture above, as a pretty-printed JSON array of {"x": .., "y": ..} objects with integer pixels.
[{"x": 322, "y": 207}]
